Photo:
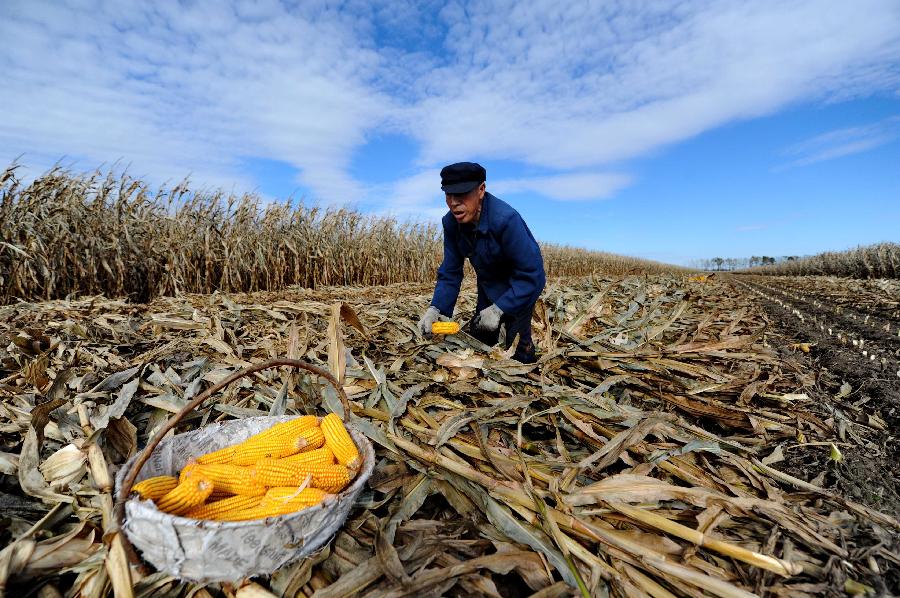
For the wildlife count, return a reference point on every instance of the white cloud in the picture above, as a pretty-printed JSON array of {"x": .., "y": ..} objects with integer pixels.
[
  {"x": 843, "y": 142},
  {"x": 566, "y": 187},
  {"x": 418, "y": 195},
  {"x": 177, "y": 89},
  {"x": 571, "y": 88},
  {"x": 556, "y": 85}
]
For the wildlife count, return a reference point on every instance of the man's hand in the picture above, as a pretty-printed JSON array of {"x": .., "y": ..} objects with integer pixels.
[
  {"x": 489, "y": 318},
  {"x": 430, "y": 316}
]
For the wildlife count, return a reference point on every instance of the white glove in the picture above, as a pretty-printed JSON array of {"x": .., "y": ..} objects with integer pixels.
[
  {"x": 430, "y": 316},
  {"x": 489, "y": 318}
]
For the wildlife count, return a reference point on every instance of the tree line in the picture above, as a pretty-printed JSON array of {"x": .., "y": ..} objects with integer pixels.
[{"x": 719, "y": 264}]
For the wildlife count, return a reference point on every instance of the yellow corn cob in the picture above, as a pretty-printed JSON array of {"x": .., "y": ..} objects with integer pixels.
[
  {"x": 278, "y": 447},
  {"x": 279, "y": 501},
  {"x": 339, "y": 441},
  {"x": 331, "y": 478},
  {"x": 321, "y": 455},
  {"x": 187, "y": 470},
  {"x": 260, "y": 447},
  {"x": 238, "y": 515},
  {"x": 310, "y": 439},
  {"x": 444, "y": 328},
  {"x": 219, "y": 495},
  {"x": 278, "y": 472},
  {"x": 223, "y": 455},
  {"x": 259, "y": 512},
  {"x": 215, "y": 510},
  {"x": 292, "y": 427},
  {"x": 228, "y": 479},
  {"x": 274, "y": 472},
  {"x": 282, "y": 495},
  {"x": 187, "y": 494},
  {"x": 242, "y": 515},
  {"x": 289, "y": 429},
  {"x": 155, "y": 488}
]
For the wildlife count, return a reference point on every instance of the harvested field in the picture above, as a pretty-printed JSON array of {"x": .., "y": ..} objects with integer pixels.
[
  {"x": 872, "y": 303},
  {"x": 675, "y": 439},
  {"x": 854, "y": 347}
]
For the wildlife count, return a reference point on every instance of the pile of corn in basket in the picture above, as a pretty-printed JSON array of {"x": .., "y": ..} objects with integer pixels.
[{"x": 243, "y": 497}]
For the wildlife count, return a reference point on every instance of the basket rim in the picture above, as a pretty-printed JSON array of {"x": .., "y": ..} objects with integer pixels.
[{"x": 148, "y": 508}]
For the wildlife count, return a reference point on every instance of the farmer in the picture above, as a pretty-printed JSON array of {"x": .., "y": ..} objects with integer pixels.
[{"x": 506, "y": 258}]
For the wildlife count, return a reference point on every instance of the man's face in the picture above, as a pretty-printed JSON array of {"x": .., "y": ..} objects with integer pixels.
[{"x": 466, "y": 206}]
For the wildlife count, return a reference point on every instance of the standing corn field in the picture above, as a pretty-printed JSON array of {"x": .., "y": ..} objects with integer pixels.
[
  {"x": 66, "y": 234},
  {"x": 881, "y": 260}
]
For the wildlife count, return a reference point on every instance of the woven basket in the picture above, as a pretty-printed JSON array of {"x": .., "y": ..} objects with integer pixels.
[{"x": 212, "y": 551}]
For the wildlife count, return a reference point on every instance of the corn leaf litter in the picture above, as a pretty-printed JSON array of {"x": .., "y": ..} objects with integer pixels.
[{"x": 638, "y": 458}]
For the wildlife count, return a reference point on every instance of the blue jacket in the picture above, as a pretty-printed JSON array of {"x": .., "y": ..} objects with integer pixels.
[{"x": 503, "y": 252}]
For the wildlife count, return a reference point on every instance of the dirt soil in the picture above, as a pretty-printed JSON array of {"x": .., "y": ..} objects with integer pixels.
[{"x": 870, "y": 469}]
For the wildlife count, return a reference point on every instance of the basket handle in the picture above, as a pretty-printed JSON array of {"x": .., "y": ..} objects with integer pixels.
[{"x": 173, "y": 421}]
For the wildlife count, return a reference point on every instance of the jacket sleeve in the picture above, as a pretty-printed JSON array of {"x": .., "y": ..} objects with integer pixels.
[
  {"x": 528, "y": 279},
  {"x": 450, "y": 274}
]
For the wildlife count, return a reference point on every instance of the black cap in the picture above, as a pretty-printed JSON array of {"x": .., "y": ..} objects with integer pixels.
[{"x": 462, "y": 177}]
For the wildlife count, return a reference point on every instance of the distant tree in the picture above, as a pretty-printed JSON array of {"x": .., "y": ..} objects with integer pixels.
[{"x": 739, "y": 263}]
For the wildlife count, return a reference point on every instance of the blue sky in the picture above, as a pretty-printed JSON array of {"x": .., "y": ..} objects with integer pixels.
[{"x": 668, "y": 131}]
